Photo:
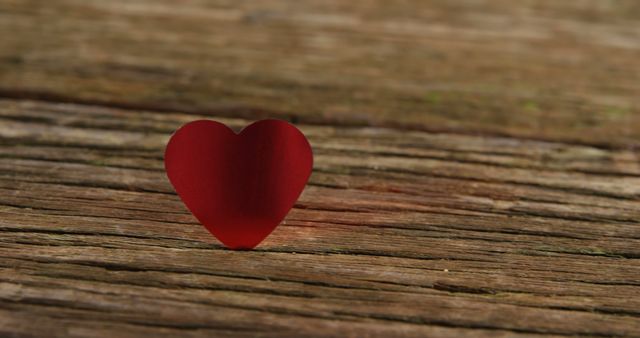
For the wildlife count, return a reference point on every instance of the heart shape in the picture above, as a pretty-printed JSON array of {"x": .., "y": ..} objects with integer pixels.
[{"x": 239, "y": 186}]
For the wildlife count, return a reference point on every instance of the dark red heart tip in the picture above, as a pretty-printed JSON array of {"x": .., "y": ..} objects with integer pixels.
[{"x": 239, "y": 186}]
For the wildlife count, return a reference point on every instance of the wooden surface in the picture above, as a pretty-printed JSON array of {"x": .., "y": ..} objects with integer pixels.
[{"x": 477, "y": 168}]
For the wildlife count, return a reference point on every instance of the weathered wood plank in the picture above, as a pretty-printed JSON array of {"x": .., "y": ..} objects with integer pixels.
[
  {"x": 476, "y": 168},
  {"x": 398, "y": 234},
  {"x": 546, "y": 69}
]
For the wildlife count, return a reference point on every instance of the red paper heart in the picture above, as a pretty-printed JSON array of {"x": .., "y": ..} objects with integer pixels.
[{"x": 239, "y": 186}]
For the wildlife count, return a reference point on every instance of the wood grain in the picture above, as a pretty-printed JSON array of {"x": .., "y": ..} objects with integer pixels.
[
  {"x": 476, "y": 168},
  {"x": 398, "y": 234},
  {"x": 545, "y": 69}
]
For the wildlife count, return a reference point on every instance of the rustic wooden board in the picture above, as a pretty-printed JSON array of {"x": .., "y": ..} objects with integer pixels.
[
  {"x": 398, "y": 234},
  {"x": 546, "y": 69},
  {"x": 477, "y": 168}
]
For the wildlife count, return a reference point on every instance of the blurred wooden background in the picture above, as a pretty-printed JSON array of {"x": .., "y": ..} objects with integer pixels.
[{"x": 477, "y": 167}]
